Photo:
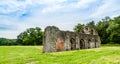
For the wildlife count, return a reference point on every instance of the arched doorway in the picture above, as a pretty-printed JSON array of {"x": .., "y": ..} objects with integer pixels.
[
  {"x": 73, "y": 43},
  {"x": 91, "y": 32},
  {"x": 96, "y": 43},
  {"x": 89, "y": 43},
  {"x": 82, "y": 44}
]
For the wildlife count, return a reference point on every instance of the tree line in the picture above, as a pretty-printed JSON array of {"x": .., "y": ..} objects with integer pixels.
[
  {"x": 5, "y": 41},
  {"x": 31, "y": 36},
  {"x": 108, "y": 30}
]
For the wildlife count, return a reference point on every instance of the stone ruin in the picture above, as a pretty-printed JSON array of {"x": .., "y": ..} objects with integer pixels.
[{"x": 56, "y": 40}]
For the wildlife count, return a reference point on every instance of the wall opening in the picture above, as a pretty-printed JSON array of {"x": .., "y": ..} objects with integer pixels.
[
  {"x": 82, "y": 44},
  {"x": 73, "y": 43},
  {"x": 89, "y": 43},
  {"x": 96, "y": 43},
  {"x": 91, "y": 32},
  {"x": 82, "y": 31}
]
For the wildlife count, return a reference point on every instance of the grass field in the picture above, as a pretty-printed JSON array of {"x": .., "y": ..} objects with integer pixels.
[{"x": 33, "y": 55}]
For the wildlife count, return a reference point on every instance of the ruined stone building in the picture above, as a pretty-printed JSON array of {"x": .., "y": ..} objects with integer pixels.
[{"x": 57, "y": 40}]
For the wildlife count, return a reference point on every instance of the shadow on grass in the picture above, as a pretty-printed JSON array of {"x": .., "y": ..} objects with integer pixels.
[{"x": 110, "y": 44}]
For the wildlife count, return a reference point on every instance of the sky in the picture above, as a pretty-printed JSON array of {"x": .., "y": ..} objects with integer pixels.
[{"x": 18, "y": 15}]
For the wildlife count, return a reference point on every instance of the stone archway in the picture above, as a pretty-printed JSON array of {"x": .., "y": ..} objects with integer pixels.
[
  {"x": 89, "y": 43},
  {"x": 96, "y": 45},
  {"x": 91, "y": 32},
  {"x": 73, "y": 43},
  {"x": 82, "y": 44}
]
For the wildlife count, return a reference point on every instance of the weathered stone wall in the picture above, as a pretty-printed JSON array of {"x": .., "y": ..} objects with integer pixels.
[{"x": 56, "y": 40}]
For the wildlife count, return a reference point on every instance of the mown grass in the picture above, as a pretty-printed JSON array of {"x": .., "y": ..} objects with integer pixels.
[{"x": 33, "y": 55}]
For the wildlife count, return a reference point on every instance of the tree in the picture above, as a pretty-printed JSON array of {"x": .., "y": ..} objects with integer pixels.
[
  {"x": 101, "y": 28},
  {"x": 78, "y": 27},
  {"x": 92, "y": 23},
  {"x": 114, "y": 30},
  {"x": 109, "y": 30},
  {"x": 32, "y": 36}
]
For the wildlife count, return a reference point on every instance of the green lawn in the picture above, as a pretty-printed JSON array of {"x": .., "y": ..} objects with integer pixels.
[{"x": 33, "y": 55}]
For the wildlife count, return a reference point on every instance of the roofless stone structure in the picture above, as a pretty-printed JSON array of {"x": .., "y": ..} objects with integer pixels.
[{"x": 56, "y": 40}]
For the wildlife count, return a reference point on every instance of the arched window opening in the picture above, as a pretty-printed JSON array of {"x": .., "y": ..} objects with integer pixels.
[
  {"x": 82, "y": 44},
  {"x": 96, "y": 43},
  {"x": 91, "y": 32},
  {"x": 73, "y": 44},
  {"x": 89, "y": 43}
]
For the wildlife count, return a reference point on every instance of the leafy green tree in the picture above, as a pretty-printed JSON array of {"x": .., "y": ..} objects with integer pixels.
[
  {"x": 101, "y": 28},
  {"x": 78, "y": 27},
  {"x": 109, "y": 30},
  {"x": 114, "y": 30},
  {"x": 92, "y": 23},
  {"x": 32, "y": 36}
]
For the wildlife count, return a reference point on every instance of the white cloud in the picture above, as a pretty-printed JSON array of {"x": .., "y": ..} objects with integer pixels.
[
  {"x": 20, "y": 7},
  {"x": 81, "y": 4},
  {"x": 13, "y": 7},
  {"x": 109, "y": 8},
  {"x": 44, "y": 2},
  {"x": 60, "y": 13},
  {"x": 48, "y": 1},
  {"x": 67, "y": 7},
  {"x": 85, "y": 3},
  {"x": 51, "y": 8},
  {"x": 8, "y": 34}
]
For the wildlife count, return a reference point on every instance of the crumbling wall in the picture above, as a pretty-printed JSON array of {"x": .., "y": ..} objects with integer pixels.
[
  {"x": 50, "y": 36},
  {"x": 57, "y": 40}
]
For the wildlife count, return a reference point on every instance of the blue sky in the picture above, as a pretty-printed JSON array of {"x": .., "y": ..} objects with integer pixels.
[{"x": 18, "y": 15}]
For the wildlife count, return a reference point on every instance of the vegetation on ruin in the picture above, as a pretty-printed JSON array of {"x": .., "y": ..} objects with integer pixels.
[
  {"x": 107, "y": 28},
  {"x": 107, "y": 54}
]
